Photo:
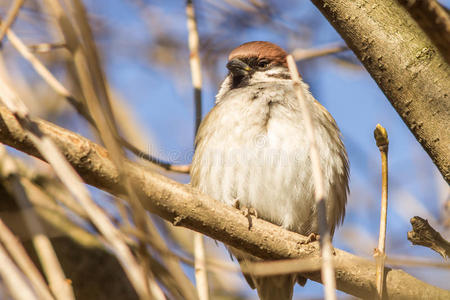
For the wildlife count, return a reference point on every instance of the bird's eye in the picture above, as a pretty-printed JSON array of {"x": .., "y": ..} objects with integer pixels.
[{"x": 263, "y": 63}]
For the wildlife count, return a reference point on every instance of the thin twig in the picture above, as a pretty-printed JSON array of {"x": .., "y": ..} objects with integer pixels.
[
  {"x": 328, "y": 275},
  {"x": 20, "y": 256},
  {"x": 305, "y": 54},
  {"x": 37, "y": 64},
  {"x": 10, "y": 18},
  {"x": 196, "y": 74},
  {"x": 415, "y": 262},
  {"x": 184, "y": 169},
  {"x": 425, "y": 235},
  {"x": 382, "y": 142},
  {"x": 46, "y": 47},
  {"x": 44, "y": 249}
]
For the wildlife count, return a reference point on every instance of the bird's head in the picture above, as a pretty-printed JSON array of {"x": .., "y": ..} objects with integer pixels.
[{"x": 255, "y": 62}]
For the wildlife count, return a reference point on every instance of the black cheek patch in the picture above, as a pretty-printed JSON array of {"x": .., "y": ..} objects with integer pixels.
[{"x": 239, "y": 81}]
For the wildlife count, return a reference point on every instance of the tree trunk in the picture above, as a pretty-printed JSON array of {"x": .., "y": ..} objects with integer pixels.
[{"x": 406, "y": 65}]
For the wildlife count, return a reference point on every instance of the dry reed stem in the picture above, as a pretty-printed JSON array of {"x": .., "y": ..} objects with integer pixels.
[
  {"x": 382, "y": 142},
  {"x": 23, "y": 261},
  {"x": 59, "y": 88},
  {"x": 46, "y": 47},
  {"x": 415, "y": 262},
  {"x": 13, "y": 279},
  {"x": 99, "y": 104},
  {"x": 89, "y": 72},
  {"x": 44, "y": 249},
  {"x": 196, "y": 74},
  {"x": 200, "y": 267},
  {"x": 74, "y": 184},
  {"x": 155, "y": 290},
  {"x": 10, "y": 18},
  {"x": 328, "y": 275},
  {"x": 37, "y": 65},
  {"x": 194, "y": 61},
  {"x": 305, "y": 54},
  {"x": 56, "y": 216},
  {"x": 171, "y": 261}
]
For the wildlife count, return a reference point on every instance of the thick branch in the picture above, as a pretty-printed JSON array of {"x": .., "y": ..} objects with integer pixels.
[
  {"x": 183, "y": 205},
  {"x": 434, "y": 20},
  {"x": 405, "y": 63}
]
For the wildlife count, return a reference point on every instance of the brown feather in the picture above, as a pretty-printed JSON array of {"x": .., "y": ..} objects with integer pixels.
[{"x": 260, "y": 49}]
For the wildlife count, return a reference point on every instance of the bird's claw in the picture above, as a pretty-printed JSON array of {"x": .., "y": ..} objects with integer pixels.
[
  {"x": 312, "y": 237},
  {"x": 248, "y": 212}
]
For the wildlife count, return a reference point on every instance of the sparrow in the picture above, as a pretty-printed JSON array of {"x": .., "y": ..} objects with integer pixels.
[{"x": 251, "y": 150}]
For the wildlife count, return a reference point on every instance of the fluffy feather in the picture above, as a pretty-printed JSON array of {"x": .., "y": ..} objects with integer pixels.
[{"x": 252, "y": 147}]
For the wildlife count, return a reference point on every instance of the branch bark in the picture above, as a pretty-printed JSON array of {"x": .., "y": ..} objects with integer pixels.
[
  {"x": 434, "y": 20},
  {"x": 406, "y": 64},
  {"x": 185, "y": 206}
]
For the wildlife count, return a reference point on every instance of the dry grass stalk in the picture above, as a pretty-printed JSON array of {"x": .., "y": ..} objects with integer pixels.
[
  {"x": 194, "y": 61},
  {"x": 416, "y": 262},
  {"x": 328, "y": 275},
  {"x": 10, "y": 17},
  {"x": 200, "y": 267},
  {"x": 59, "y": 88},
  {"x": 74, "y": 184},
  {"x": 305, "y": 54},
  {"x": 196, "y": 74},
  {"x": 382, "y": 142},
  {"x": 13, "y": 279},
  {"x": 56, "y": 216},
  {"x": 89, "y": 72},
  {"x": 46, "y": 254},
  {"x": 23, "y": 261}
]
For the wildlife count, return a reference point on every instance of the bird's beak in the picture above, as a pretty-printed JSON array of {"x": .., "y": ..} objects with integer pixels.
[{"x": 238, "y": 68}]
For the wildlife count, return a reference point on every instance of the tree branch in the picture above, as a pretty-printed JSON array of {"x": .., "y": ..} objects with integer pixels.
[
  {"x": 185, "y": 206},
  {"x": 425, "y": 235},
  {"x": 434, "y": 20},
  {"x": 405, "y": 63}
]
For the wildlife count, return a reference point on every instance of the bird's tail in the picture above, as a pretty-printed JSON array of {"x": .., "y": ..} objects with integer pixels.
[
  {"x": 276, "y": 287},
  {"x": 280, "y": 287}
]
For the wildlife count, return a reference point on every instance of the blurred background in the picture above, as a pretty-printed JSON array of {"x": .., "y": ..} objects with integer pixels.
[{"x": 145, "y": 57}]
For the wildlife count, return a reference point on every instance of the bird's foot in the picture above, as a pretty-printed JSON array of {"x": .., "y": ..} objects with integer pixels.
[
  {"x": 248, "y": 212},
  {"x": 312, "y": 237}
]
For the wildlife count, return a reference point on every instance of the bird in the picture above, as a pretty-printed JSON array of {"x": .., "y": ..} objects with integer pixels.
[{"x": 252, "y": 152}]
